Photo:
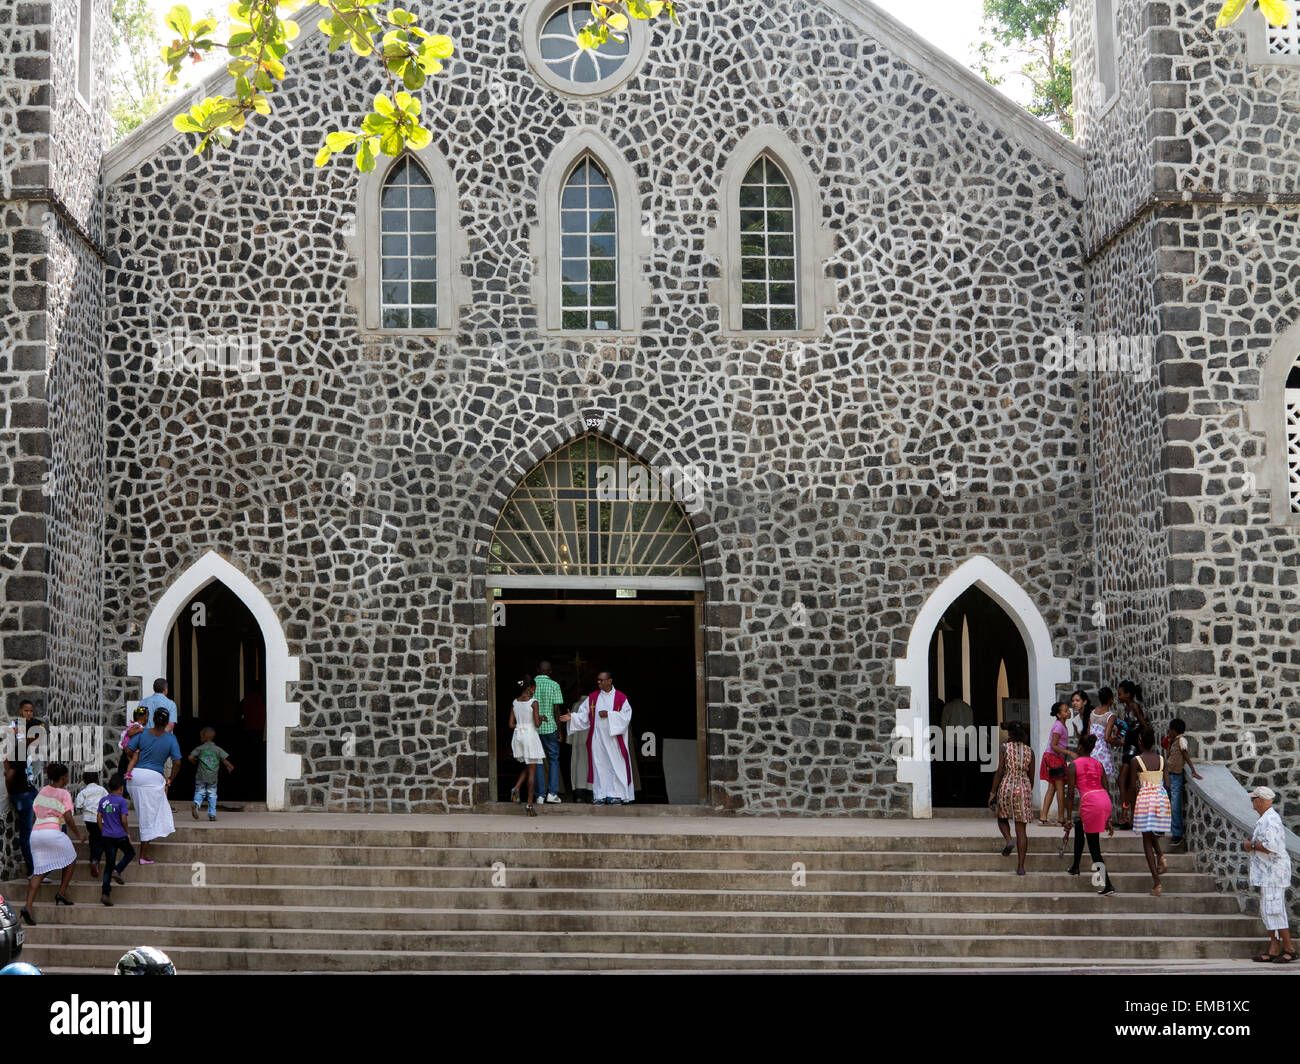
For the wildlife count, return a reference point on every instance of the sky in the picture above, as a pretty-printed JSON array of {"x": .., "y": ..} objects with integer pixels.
[{"x": 951, "y": 25}]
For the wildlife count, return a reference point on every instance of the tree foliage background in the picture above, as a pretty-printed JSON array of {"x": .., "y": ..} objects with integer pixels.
[{"x": 1031, "y": 39}]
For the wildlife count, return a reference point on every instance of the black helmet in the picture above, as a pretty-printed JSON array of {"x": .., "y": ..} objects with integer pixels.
[{"x": 145, "y": 960}]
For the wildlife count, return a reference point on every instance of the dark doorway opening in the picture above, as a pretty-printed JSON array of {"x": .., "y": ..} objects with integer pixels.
[
  {"x": 216, "y": 666},
  {"x": 649, "y": 646},
  {"x": 979, "y": 675}
]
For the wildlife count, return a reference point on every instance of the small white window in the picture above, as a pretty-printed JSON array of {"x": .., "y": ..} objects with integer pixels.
[
  {"x": 408, "y": 252},
  {"x": 1292, "y": 427},
  {"x": 588, "y": 249},
  {"x": 768, "y": 250},
  {"x": 1107, "y": 61},
  {"x": 85, "y": 38},
  {"x": 769, "y": 240},
  {"x": 407, "y": 243},
  {"x": 1283, "y": 40}
]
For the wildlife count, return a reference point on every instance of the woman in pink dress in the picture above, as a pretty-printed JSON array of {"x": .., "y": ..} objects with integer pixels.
[{"x": 1087, "y": 776}]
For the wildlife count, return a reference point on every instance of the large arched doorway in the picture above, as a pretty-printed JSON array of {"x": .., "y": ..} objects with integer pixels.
[
  {"x": 918, "y": 672},
  {"x": 979, "y": 678},
  {"x": 216, "y": 669},
  {"x": 162, "y": 650},
  {"x": 593, "y": 566}
]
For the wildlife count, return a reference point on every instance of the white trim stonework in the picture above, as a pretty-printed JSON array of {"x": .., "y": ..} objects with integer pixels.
[
  {"x": 913, "y": 672},
  {"x": 281, "y": 667},
  {"x": 530, "y": 28},
  {"x": 633, "y": 288},
  {"x": 814, "y": 243},
  {"x": 1268, "y": 415},
  {"x": 452, "y": 248}
]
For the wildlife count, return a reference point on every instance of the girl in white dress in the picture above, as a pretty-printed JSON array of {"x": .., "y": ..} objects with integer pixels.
[{"x": 526, "y": 744}]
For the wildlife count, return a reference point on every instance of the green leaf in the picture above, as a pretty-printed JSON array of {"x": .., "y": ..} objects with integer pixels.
[
  {"x": 401, "y": 17},
  {"x": 238, "y": 40},
  {"x": 323, "y": 156},
  {"x": 413, "y": 77},
  {"x": 178, "y": 19},
  {"x": 340, "y": 139},
  {"x": 384, "y": 105},
  {"x": 391, "y": 144},
  {"x": 440, "y": 47},
  {"x": 1278, "y": 12},
  {"x": 418, "y": 137},
  {"x": 366, "y": 156}
]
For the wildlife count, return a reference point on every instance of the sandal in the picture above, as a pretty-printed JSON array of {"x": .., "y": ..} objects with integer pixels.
[
  {"x": 1266, "y": 958},
  {"x": 531, "y": 811},
  {"x": 1157, "y": 891},
  {"x": 1006, "y": 850},
  {"x": 514, "y": 795},
  {"x": 1162, "y": 866},
  {"x": 1285, "y": 957}
]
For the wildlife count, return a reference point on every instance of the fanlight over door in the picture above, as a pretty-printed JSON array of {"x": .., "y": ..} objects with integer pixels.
[{"x": 572, "y": 521}]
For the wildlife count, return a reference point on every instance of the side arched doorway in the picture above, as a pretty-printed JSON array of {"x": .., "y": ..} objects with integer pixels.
[
  {"x": 918, "y": 671},
  {"x": 223, "y": 592},
  {"x": 593, "y": 566}
]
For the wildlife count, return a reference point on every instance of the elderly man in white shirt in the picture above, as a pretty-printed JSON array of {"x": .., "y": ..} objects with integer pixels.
[{"x": 1270, "y": 870}]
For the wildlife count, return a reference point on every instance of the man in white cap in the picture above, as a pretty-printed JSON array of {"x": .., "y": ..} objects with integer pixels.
[{"x": 1270, "y": 870}]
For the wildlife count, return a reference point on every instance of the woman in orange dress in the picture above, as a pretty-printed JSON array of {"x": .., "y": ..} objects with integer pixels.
[{"x": 1012, "y": 794}]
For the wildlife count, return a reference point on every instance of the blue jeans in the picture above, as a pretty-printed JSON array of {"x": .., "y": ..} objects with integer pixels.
[
  {"x": 208, "y": 791},
  {"x": 548, "y": 772},
  {"x": 1176, "y": 804},
  {"x": 22, "y": 804}
]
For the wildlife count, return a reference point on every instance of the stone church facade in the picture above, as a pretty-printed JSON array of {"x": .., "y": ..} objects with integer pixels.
[{"x": 899, "y": 431}]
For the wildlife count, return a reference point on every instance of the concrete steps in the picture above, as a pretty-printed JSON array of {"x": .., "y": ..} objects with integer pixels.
[{"x": 354, "y": 897}]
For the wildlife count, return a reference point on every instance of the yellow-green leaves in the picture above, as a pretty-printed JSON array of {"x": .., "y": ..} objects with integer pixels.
[
  {"x": 611, "y": 20},
  {"x": 1278, "y": 12},
  {"x": 407, "y": 56},
  {"x": 391, "y": 128}
]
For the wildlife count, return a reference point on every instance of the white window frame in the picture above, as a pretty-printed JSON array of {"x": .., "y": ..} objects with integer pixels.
[
  {"x": 1259, "y": 50},
  {"x": 84, "y": 68},
  {"x": 535, "y": 17},
  {"x": 1106, "y": 52},
  {"x": 451, "y": 248},
  {"x": 633, "y": 289},
  {"x": 1272, "y": 472},
  {"x": 813, "y": 243}
]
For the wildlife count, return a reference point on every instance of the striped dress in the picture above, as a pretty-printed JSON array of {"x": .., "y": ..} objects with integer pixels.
[{"x": 1151, "y": 811}]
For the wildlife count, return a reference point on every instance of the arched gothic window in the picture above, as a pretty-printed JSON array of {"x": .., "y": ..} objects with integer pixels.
[
  {"x": 769, "y": 276},
  {"x": 589, "y": 249},
  {"x": 408, "y": 253}
]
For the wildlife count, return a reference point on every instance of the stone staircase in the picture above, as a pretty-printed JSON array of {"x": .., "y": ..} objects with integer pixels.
[{"x": 346, "y": 896}]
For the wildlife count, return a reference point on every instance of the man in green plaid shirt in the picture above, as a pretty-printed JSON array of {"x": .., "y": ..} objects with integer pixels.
[{"x": 548, "y": 695}]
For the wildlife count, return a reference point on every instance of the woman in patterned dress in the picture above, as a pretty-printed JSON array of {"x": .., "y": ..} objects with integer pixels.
[
  {"x": 1012, "y": 794},
  {"x": 1101, "y": 723},
  {"x": 1148, "y": 775}
]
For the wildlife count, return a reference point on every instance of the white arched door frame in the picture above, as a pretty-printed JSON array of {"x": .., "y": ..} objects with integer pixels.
[
  {"x": 281, "y": 667},
  {"x": 913, "y": 672}
]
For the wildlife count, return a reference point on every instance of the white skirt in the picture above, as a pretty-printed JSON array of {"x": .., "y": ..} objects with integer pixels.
[
  {"x": 150, "y": 799},
  {"x": 52, "y": 851},
  {"x": 526, "y": 745}
]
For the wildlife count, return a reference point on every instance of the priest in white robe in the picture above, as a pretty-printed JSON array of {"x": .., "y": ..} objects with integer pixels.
[{"x": 607, "y": 715}]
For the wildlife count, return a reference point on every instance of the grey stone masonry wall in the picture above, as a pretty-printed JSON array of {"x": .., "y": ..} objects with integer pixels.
[
  {"x": 1130, "y": 600},
  {"x": 1227, "y": 277},
  {"x": 51, "y": 331},
  {"x": 850, "y": 472}
]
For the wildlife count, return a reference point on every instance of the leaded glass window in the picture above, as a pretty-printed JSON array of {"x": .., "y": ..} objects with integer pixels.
[
  {"x": 572, "y": 515},
  {"x": 589, "y": 249},
  {"x": 561, "y": 53},
  {"x": 768, "y": 262},
  {"x": 409, "y": 248}
]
